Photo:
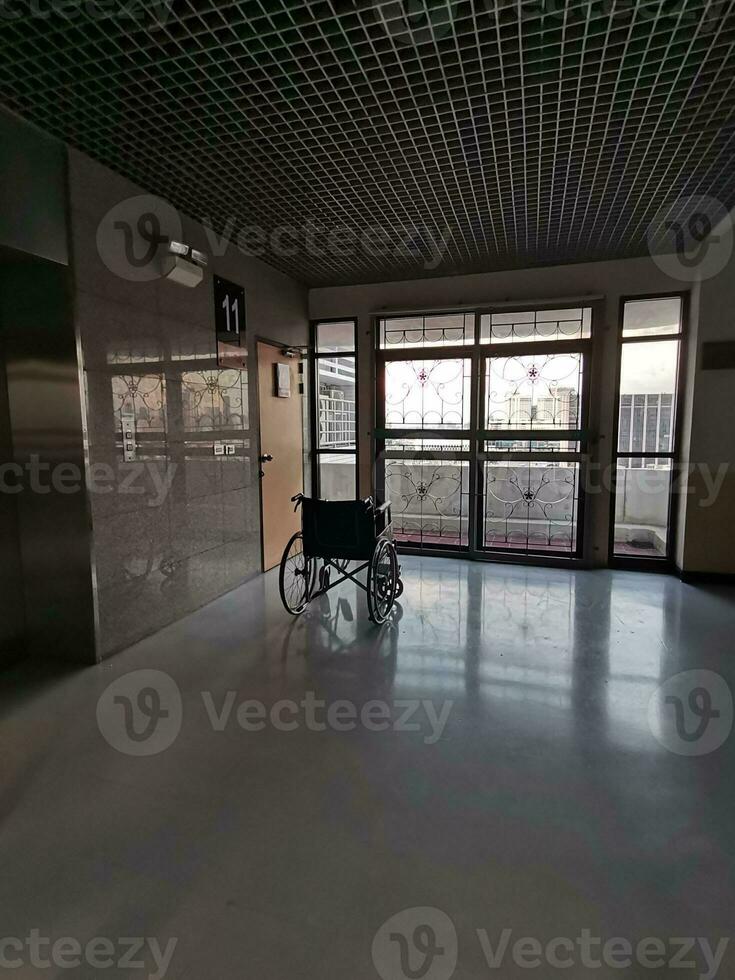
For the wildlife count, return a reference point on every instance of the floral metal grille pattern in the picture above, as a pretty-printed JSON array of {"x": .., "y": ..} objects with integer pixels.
[
  {"x": 429, "y": 500},
  {"x": 536, "y": 325},
  {"x": 424, "y": 394},
  {"x": 447, "y": 330},
  {"x": 484, "y": 451},
  {"x": 533, "y": 391},
  {"x": 531, "y": 506},
  {"x": 141, "y": 395},
  {"x": 214, "y": 400}
]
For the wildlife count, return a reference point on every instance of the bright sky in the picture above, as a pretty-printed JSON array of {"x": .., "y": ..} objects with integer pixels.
[{"x": 649, "y": 368}]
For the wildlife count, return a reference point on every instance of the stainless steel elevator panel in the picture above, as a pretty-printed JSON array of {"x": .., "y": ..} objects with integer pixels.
[{"x": 45, "y": 413}]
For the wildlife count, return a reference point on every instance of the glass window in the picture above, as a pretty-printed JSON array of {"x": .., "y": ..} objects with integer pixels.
[
  {"x": 648, "y": 379},
  {"x": 652, "y": 317},
  {"x": 440, "y": 330},
  {"x": 429, "y": 500},
  {"x": 642, "y": 507},
  {"x": 531, "y": 506},
  {"x": 520, "y": 443},
  {"x": 335, "y": 410},
  {"x": 337, "y": 406},
  {"x": 649, "y": 367},
  {"x": 533, "y": 391},
  {"x": 337, "y": 477},
  {"x": 335, "y": 337},
  {"x": 536, "y": 325},
  {"x": 429, "y": 446},
  {"x": 425, "y": 394}
]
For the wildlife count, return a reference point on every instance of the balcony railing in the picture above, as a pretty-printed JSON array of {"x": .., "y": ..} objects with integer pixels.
[{"x": 336, "y": 422}]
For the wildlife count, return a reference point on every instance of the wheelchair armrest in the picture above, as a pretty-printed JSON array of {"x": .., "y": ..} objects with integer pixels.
[{"x": 382, "y": 518}]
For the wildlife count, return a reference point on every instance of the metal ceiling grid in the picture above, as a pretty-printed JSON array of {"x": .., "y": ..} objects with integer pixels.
[{"x": 507, "y": 134}]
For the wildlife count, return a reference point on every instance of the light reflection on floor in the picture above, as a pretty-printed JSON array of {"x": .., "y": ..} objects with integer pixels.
[{"x": 546, "y": 805}]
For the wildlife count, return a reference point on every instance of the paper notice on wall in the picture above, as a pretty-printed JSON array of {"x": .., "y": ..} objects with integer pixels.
[{"x": 283, "y": 380}]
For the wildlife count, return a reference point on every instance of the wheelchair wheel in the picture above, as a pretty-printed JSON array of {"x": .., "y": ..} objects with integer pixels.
[
  {"x": 296, "y": 576},
  {"x": 382, "y": 583}
]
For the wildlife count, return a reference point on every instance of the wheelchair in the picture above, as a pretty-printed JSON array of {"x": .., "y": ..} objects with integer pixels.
[{"x": 348, "y": 537}]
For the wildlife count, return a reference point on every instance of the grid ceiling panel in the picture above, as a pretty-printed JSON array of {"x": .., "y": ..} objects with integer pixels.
[{"x": 515, "y": 133}]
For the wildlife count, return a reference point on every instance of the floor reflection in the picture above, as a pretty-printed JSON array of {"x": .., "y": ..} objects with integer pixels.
[{"x": 545, "y": 804}]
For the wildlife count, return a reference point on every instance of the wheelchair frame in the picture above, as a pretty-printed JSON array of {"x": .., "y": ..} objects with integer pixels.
[{"x": 368, "y": 533}]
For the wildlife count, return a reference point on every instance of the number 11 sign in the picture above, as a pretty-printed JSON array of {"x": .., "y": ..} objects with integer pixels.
[{"x": 229, "y": 321}]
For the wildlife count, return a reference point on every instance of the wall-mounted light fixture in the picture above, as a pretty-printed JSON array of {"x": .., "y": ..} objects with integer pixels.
[{"x": 184, "y": 265}]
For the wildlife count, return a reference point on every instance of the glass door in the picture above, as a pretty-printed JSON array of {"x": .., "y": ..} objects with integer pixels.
[
  {"x": 425, "y": 420},
  {"x": 481, "y": 430},
  {"x": 646, "y": 445},
  {"x": 534, "y": 436}
]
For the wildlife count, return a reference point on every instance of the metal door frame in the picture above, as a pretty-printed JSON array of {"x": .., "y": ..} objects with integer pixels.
[{"x": 667, "y": 561}]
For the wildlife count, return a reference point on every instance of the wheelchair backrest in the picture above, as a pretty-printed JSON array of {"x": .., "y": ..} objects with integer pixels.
[{"x": 338, "y": 528}]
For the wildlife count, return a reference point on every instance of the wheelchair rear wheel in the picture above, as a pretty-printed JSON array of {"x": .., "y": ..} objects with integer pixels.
[
  {"x": 382, "y": 584},
  {"x": 296, "y": 576}
]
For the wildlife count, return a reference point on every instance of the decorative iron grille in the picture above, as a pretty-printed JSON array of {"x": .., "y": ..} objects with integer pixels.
[
  {"x": 429, "y": 500},
  {"x": 536, "y": 325},
  {"x": 533, "y": 391},
  {"x": 531, "y": 506},
  {"x": 446, "y": 330},
  {"x": 424, "y": 394},
  {"x": 484, "y": 451}
]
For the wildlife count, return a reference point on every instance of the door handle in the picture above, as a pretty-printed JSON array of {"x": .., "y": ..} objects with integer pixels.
[{"x": 265, "y": 458}]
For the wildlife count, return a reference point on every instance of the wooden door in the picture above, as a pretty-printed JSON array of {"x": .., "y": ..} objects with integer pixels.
[{"x": 282, "y": 437}]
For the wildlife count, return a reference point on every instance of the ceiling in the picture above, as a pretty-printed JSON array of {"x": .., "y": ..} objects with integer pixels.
[{"x": 430, "y": 136}]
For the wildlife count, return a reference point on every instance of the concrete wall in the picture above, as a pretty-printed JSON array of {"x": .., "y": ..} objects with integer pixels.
[
  {"x": 708, "y": 543},
  {"x": 190, "y": 531},
  {"x": 32, "y": 191},
  {"x": 612, "y": 281}
]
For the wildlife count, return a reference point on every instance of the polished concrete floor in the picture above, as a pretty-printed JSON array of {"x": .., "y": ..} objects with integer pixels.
[{"x": 532, "y": 791}]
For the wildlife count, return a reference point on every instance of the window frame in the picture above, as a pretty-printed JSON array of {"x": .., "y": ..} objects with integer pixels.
[
  {"x": 664, "y": 562},
  {"x": 476, "y": 435},
  {"x": 314, "y": 358}
]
